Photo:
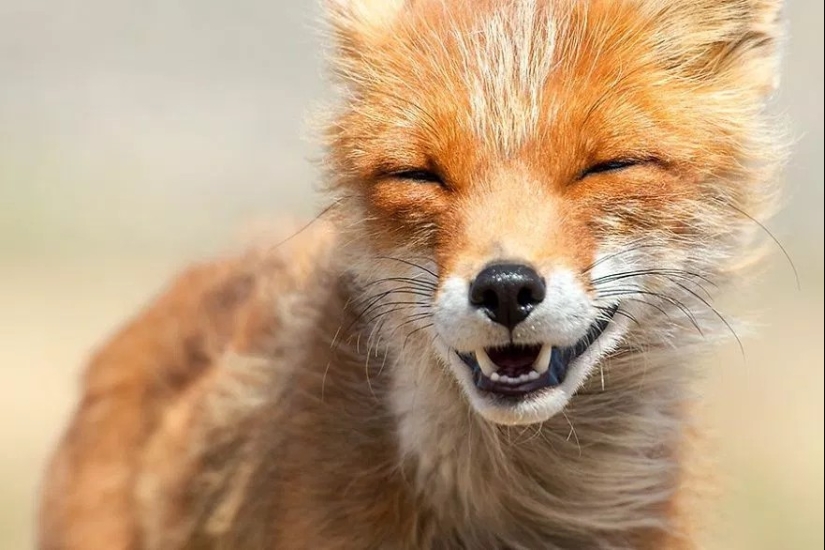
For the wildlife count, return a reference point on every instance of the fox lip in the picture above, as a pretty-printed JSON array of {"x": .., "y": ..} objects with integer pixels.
[{"x": 520, "y": 370}]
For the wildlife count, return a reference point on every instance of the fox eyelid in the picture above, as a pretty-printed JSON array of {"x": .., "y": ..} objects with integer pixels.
[
  {"x": 419, "y": 175},
  {"x": 613, "y": 165}
]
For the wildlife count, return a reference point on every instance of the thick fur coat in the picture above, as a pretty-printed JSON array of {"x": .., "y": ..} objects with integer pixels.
[{"x": 310, "y": 395}]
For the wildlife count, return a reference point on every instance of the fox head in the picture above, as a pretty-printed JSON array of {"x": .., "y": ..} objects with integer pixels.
[{"x": 528, "y": 187}]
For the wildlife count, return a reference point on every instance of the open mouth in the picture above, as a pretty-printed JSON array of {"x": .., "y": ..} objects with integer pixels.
[{"x": 519, "y": 370}]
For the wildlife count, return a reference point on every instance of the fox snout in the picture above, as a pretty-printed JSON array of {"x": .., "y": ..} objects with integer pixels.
[{"x": 513, "y": 303}]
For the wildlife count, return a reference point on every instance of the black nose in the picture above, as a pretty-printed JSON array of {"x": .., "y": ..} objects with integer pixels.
[{"x": 507, "y": 292}]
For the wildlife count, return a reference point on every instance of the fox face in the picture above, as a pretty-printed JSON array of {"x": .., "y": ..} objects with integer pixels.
[{"x": 528, "y": 188}]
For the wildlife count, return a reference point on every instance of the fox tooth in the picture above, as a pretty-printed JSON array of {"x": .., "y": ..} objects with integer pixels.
[
  {"x": 533, "y": 375},
  {"x": 486, "y": 364},
  {"x": 542, "y": 362},
  {"x": 495, "y": 377}
]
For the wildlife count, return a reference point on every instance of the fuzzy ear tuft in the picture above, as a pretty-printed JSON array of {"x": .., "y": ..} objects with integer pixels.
[
  {"x": 357, "y": 23},
  {"x": 726, "y": 38},
  {"x": 765, "y": 38}
]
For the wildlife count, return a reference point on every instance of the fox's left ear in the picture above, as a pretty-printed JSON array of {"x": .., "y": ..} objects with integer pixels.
[
  {"x": 357, "y": 24},
  {"x": 736, "y": 40}
]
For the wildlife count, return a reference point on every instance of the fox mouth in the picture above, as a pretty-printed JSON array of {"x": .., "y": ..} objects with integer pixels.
[{"x": 520, "y": 370}]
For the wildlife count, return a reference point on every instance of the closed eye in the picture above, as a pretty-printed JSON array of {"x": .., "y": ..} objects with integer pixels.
[
  {"x": 426, "y": 176},
  {"x": 610, "y": 166}
]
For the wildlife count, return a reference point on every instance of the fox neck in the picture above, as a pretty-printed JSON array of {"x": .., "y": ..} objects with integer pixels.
[{"x": 604, "y": 470}]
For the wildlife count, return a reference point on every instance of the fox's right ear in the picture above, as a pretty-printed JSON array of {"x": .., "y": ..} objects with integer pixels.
[
  {"x": 734, "y": 39},
  {"x": 357, "y": 24}
]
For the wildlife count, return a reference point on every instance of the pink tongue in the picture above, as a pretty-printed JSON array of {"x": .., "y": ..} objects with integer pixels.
[{"x": 514, "y": 360}]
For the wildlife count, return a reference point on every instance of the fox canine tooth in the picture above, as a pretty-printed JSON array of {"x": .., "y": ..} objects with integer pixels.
[
  {"x": 542, "y": 362},
  {"x": 485, "y": 363}
]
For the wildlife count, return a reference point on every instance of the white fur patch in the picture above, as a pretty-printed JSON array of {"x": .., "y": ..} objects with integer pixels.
[{"x": 560, "y": 320}]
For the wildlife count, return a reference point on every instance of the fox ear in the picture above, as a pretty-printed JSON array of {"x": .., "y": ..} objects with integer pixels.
[
  {"x": 755, "y": 53},
  {"x": 358, "y": 23},
  {"x": 730, "y": 39}
]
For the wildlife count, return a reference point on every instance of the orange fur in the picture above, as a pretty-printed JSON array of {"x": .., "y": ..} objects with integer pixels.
[{"x": 308, "y": 396}]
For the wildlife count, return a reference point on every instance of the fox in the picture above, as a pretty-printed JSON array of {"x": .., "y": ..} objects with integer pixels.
[{"x": 487, "y": 339}]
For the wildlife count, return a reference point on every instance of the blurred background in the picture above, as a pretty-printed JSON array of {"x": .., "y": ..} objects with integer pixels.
[{"x": 136, "y": 137}]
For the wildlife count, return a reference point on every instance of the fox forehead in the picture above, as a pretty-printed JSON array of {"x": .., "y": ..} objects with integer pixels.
[
  {"x": 489, "y": 79},
  {"x": 468, "y": 87}
]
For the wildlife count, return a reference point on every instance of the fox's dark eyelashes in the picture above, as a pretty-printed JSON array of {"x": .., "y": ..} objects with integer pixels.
[
  {"x": 613, "y": 165},
  {"x": 418, "y": 175},
  {"x": 425, "y": 175}
]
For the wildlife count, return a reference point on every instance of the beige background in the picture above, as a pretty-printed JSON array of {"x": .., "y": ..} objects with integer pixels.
[{"x": 138, "y": 136}]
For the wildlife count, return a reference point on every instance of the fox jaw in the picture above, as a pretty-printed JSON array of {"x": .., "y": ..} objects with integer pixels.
[{"x": 529, "y": 188}]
